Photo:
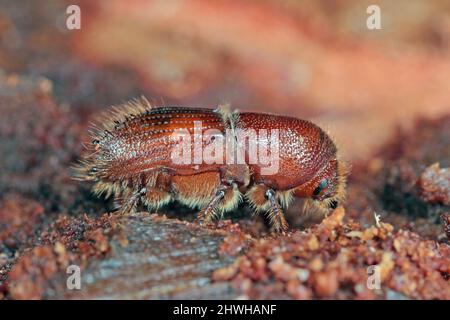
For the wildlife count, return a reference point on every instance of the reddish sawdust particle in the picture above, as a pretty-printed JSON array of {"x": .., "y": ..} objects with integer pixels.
[
  {"x": 70, "y": 240},
  {"x": 86, "y": 236},
  {"x": 235, "y": 241},
  {"x": 434, "y": 185},
  {"x": 400, "y": 181},
  {"x": 331, "y": 259},
  {"x": 234, "y": 244},
  {"x": 28, "y": 277},
  {"x": 17, "y": 216}
]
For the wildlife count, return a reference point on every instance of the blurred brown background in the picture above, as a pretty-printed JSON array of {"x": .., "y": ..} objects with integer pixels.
[{"x": 311, "y": 59}]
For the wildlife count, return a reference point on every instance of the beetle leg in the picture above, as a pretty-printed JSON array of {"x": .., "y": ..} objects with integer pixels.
[
  {"x": 206, "y": 214},
  {"x": 276, "y": 215},
  {"x": 128, "y": 203}
]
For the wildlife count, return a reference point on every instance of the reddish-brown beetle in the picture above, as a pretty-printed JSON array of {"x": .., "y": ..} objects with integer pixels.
[{"x": 132, "y": 158}]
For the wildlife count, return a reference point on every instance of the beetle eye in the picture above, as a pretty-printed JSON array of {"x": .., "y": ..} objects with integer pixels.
[{"x": 322, "y": 185}]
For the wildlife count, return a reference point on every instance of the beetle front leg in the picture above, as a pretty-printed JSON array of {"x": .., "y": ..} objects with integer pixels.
[{"x": 275, "y": 213}]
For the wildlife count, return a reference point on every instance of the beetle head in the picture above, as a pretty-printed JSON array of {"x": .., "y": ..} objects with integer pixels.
[{"x": 327, "y": 188}]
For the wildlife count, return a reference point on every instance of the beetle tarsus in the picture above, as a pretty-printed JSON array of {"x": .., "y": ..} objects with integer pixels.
[
  {"x": 209, "y": 211},
  {"x": 276, "y": 215},
  {"x": 129, "y": 203}
]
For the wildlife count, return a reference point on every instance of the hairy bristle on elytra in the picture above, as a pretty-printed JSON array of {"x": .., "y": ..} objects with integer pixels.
[
  {"x": 121, "y": 113},
  {"x": 101, "y": 127}
]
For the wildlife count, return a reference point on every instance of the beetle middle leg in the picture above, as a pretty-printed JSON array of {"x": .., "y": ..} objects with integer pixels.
[
  {"x": 205, "y": 215},
  {"x": 226, "y": 198},
  {"x": 275, "y": 213}
]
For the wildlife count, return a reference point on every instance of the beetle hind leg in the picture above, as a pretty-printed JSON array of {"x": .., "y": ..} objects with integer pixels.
[{"x": 129, "y": 201}]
